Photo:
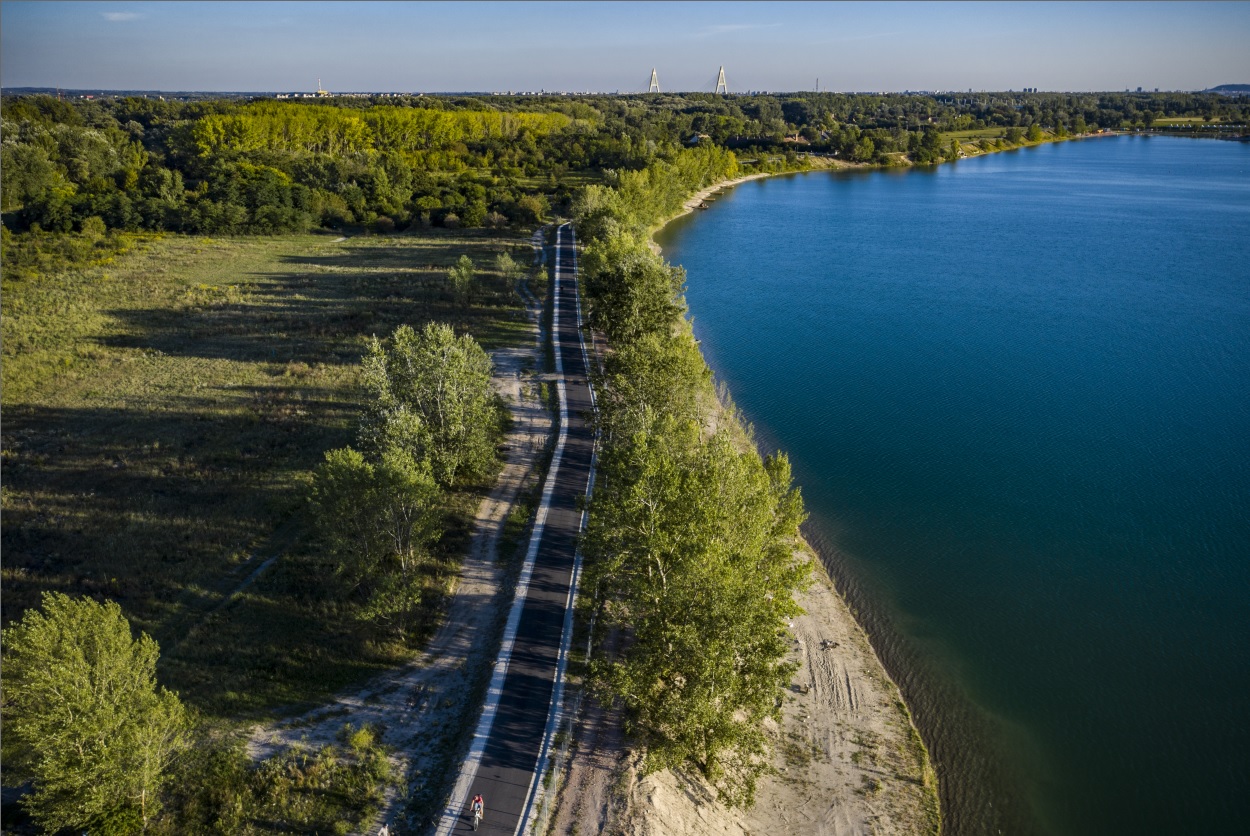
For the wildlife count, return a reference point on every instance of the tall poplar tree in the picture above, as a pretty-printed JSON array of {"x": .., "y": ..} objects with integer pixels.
[{"x": 84, "y": 719}]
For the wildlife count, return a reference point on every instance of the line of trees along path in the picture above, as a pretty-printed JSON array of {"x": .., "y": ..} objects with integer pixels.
[{"x": 506, "y": 750}]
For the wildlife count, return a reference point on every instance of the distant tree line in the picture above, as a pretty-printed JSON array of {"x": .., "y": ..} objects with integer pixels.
[{"x": 230, "y": 167}]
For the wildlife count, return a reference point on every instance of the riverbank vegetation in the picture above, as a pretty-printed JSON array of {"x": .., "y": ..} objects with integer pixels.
[{"x": 692, "y": 541}]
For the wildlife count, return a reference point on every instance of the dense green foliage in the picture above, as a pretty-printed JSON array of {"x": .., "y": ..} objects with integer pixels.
[
  {"x": 269, "y": 166},
  {"x": 429, "y": 395},
  {"x": 217, "y": 789},
  {"x": 692, "y": 538},
  {"x": 431, "y": 421},
  {"x": 319, "y": 129},
  {"x": 84, "y": 719},
  {"x": 378, "y": 517}
]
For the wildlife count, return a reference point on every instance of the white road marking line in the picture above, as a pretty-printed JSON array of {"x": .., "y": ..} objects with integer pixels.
[
  {"x": 460, "y": 794},
  {"x": 554, "y": 709}
]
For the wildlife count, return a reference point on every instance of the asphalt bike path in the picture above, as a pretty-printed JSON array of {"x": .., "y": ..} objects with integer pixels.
[{"x": 509, "y": 746}]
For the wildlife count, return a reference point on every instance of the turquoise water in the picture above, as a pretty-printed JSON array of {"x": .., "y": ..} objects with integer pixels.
[{"x": 1016, "y": 392}]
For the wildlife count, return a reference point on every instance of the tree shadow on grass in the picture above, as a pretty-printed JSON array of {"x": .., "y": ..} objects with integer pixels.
[
  {"x": 170, "y": 532},
  {"x": 156, "y": 510},
  {"x": 168, "y": 513},
  {"x": 312, "y": 317}
]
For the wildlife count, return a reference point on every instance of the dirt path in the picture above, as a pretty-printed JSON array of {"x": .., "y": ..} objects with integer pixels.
[
  {"x": 585, "y": 800},
  {"x": 423, "y": 708}
]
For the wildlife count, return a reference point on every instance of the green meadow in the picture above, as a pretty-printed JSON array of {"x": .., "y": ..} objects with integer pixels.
[{"x": 164, "y": 408}]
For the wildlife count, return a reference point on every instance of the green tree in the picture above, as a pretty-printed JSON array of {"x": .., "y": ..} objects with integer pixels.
[
  {"x": 696, "y": 539},
  {"x": 27, "y": 173},
  {"x": 864, "y": 151},
  {"x": 508, "y": 267},
  {"x": 84, "y": 719},
  {"x": 634, "y": 291},
  {"x": 378, "y": 518},
  {"x": 652, "y": 375},
  {"x": 429, "y": 392},
  {"x": 1035, "y": 133},
  {"x": 93, "y": 227},
  {"x": 532, "y": 209},
  {"x": 463, "y": 279}
]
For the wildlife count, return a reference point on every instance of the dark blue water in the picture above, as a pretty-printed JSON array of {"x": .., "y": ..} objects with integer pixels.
[{"x": 1016, "y": 391}]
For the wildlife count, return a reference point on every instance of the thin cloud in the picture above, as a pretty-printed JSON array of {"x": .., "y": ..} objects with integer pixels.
[
  {"x": 119, "y": 17},
  {"x": 726, "y": 28},
  {"x": 870, "y": 37}
]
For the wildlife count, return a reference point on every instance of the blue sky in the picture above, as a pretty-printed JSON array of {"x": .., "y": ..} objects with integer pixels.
[{"x": 261, "y": 46}]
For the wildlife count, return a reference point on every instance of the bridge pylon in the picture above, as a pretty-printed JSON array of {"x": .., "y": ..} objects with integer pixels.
[
  {"x": 721, "y": 86},
  {"x": 654, "y": 86}
]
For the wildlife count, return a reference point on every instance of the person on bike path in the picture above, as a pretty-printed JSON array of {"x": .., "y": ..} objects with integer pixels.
[{"x": 478, "y": 807}]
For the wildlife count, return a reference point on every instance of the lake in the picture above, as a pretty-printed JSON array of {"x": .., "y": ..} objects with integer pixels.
[{"x": 1016, "y": 394}]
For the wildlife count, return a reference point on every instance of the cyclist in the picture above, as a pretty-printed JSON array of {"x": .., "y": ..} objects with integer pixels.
[{"x": 479, "y": 809}]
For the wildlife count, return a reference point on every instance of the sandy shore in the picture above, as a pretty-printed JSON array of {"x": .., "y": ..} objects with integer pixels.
[
  {"x": 700, "y": 197},
  {"x": 848, "y": 760}
]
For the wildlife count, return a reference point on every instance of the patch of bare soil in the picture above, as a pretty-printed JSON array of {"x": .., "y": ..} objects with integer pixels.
[
  {"x": 848, "y": 759},
  {"x": 422, "y": 709},
  {"x": 589, "y": 776}
]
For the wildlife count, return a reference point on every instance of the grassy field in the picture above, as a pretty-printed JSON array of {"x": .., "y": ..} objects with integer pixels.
[
  {"x": 979, "y": 133},
  {"x": 1164, "y": 121},
  {"x": 162, "y": 415}
]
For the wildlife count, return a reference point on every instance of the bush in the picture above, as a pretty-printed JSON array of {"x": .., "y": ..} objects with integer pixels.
[{"x": 93, "y": 226}]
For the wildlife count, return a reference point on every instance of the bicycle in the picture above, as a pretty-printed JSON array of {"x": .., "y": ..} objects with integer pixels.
[{"x": 479, "y": 810}]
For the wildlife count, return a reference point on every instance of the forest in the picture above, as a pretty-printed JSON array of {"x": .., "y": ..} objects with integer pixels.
[{"x": 263, "y": 167}]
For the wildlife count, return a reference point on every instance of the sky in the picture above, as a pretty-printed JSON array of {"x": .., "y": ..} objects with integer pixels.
[{"x": 607, "y": 47}]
